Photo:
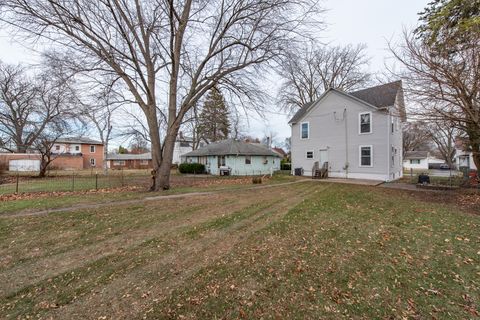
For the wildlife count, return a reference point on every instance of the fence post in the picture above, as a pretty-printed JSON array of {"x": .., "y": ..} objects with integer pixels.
[
  {"x": 73, "y": 182},
  {"x": 16, "y": 184},
  {"x": 96, "y": 181},
  {"x": 122, "y": 179}
]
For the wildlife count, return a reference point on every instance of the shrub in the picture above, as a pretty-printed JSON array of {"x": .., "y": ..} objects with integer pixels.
[
  {"x": 285, "y": 165},
  {"x": 257, "y": 180},
  {"x": 191, "y": 168}
]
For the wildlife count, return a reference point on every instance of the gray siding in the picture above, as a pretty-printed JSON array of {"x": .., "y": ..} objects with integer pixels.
[{"x": 334, "y": 126}]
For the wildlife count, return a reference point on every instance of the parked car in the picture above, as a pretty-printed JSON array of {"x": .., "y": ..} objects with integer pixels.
[{"x": 444, "y": 166}]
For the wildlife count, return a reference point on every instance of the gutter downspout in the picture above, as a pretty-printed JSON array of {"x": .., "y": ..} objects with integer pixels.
[
  {"x": 389, "y": 149},
  {"x": 346, "y": 142}
]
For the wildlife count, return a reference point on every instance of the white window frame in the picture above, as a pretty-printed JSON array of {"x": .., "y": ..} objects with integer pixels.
[
  {"x": 360, "y": 155},
  {"x": 308, "y": 131},
  {"x": 77, "y": 148},
  {"x": 93, "y": 163},
  {"x": 360, "y": 122},
  {"x": 94, "y": 148},
  {"x": 118, "y": 162},
  {"x": 306, "y": 154},
  {"x": 249, "y": 159},
  {"x": 414, "y": 161}
]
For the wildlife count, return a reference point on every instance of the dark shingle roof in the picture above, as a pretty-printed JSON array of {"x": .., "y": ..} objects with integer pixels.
[
  {"x": 231, "y": 147},
  {"x": 79, "y": 140},
  {"x": 416, "y": 155},
  {"x": 379, "y": 96}
]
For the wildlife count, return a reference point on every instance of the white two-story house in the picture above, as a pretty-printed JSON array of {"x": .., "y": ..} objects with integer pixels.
[{"x": 356, "y": 134}]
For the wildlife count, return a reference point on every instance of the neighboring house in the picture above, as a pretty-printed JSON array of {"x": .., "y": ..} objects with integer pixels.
[
  {"x": 280, "y": 152},
  {"x": 463, "y": 157},
  {"x": 67, "y": 154},
  {"x": 77, "y": 153},
  {"x": 416, "y": 160},
  {"x": 182, "y": 145},
  {"x": 356, "y": 134},
  {"x": 130, "y": 161},
  {"x": 238, "y": 157}
]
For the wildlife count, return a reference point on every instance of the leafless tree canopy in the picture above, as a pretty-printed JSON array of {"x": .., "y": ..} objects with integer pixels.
[
  {"x": 307, "y": 73},
  {"x": 31, "y": 106},
  {"x": 167, "y": 53},
  {"x": 445, "y": 86},
  {"x": 416, "y": 137}
]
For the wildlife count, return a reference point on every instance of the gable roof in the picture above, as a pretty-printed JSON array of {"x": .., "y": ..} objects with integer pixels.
[
  {"x": 280, "y": 151},
  {"x": 380, "y": 96},
  {"x": 78, "y": 140},
  {"x": 231, "y": 147},
  {"x": 416, "y": 155}
]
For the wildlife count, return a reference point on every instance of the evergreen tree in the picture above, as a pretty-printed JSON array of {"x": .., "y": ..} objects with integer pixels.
[{"x": 214, "y": 124}]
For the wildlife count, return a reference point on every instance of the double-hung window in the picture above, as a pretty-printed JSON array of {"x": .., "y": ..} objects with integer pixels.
[
  {"x": 309, "y": 154},
  {"x": 365, "y": 119},
  {"x": 305, "y": 130},
  {"x": 366, "y": 156}
]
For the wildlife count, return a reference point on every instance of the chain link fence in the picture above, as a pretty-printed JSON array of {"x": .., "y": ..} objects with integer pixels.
[{"x": 71, "y": 182}]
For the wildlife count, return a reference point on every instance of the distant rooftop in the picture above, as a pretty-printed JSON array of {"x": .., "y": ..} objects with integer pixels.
[
  {"x": 129, "y": 156},
  {"x": 79, "y": 140},
  {"x": 416, "y": 155}
]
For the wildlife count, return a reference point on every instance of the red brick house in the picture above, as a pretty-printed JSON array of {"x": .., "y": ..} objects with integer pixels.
[
  {"x": 77, "y": 153},
  {"x": 68, "y": 153},
  {"x": 130, "y": 161}
]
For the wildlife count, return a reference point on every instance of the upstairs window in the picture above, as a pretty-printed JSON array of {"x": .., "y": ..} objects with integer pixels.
[
  {"x": 365, "y": 122},
  {"x": 77, "y": 148},
  {"x": 366, "y": 156},
  {"x": 57, "y": 147},
  {"x": 305, "y": 130},
  {"x": 92, "y": 149}
]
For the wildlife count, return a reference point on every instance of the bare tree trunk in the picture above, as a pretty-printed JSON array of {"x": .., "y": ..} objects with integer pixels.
[{"x": 163, "y": 173}]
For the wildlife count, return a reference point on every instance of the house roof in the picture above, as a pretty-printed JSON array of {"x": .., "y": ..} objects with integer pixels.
[
  {"x": 416, "y": 155},
  {"x": 129, "y": 156},
  {"x": 231, "y": 147},
  {"x": 380, "y": 96},
  {"x": 280, "y": 151},
  {"x": 79, "y": 140}
]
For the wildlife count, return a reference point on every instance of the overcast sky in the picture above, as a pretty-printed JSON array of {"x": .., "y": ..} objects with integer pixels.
[{"x": 372, "y": 22}]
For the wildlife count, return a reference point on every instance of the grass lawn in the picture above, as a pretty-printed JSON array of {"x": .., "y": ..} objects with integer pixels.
[{"x": 305, "y": 250}]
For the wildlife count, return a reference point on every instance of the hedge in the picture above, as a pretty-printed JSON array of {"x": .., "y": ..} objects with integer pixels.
[
  {"x": 285, "y": 166},
  {"x": 191, "y": 168}
]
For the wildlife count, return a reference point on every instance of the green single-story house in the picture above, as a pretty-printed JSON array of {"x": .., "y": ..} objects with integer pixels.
[{"x": 235, "y": 158}]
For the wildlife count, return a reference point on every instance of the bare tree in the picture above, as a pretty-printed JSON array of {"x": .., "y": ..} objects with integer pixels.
[
  {"x": 444, "y": 134},
  {"x": 190, "y": 46},
  {"x": 309, "y": 72},
  {"x": 444, "y": 86},
  {"x": 29, "y": 104},
  {"x": 416, "y": 136}
]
